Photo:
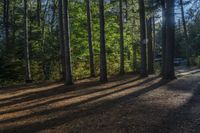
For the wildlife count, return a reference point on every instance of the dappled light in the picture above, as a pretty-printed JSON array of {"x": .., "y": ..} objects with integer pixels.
[
  {"x": 56, "y": 107},
  {"x": 99, "y": 66}
]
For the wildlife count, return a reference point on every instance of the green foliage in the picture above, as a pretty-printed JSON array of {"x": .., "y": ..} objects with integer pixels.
[
  {"x": 45, "y": 43},
  {"x": 45, "y": 46}
]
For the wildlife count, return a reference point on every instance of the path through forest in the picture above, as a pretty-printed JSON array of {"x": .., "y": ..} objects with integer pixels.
[{"x": 124, "y": 104}]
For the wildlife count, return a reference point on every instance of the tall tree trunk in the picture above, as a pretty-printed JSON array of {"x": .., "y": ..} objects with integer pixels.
[
  {"x": 170, "y": 41},
  {"x": 134, "y": 49},
  {"x": 4, "y": 11},
  {"x": 61, "y": 38},
  {"x": 126, "y": 2},
  {"x": 38, "y": 12},
  {"x": 134, "y": 45},
  {"x": 163, "y": 34},
  {"x": 46, "y": 63},
  {"x": 121, "y": 38},
  {"x": 67, "y": 52},
  {"x": 13, "y": 23},
  {"x": 154, "y": 34},
  {"x": 185, "y": 33},
  {"x": 6, "y": 21},
  {"x": 90, "y": 45},
  {"x": 103, "y": 64},
  {"x": 143, "y": 38},
  {"x": 53, "y": 16},
  {"x": 27, "y": 46},
  {"x": 150, "y": 47}
]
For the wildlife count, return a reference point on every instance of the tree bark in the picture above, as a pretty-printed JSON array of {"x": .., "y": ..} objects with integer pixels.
[
  {"x": 38, "y": 12},
  {"x": 27, "y": 46},
  {"x": 90, "y": 45},
  {"x": 4, "y": 11},
  {"x": 121, "y": 38},
  {"x": 61, "y": 38},
  {"x": 6, "y": 21},
  {"x": 67, "y": 51},
  {"x": 163, "y": 34},
  {"x": 126, "y": 2},
  {"x": 150, "y": 47},
  {"x": 143, "y": 38},
  {"x": 170, "y": 41},
  {"x": 13, "y": 21},
  {"x": 154, "y": 34},
  {"x": 103, "y": 64},
  {"x": 185, "y": 33},
  {"x": 134, "y": 45}
]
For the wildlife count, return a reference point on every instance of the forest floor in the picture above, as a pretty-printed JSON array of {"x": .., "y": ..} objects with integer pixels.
[{"x": 124, "y": 104}]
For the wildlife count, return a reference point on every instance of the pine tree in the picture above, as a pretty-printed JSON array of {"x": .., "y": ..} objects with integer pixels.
[
  {"x": 90, "y": 45},
  {"x": 103, "y": 64},
  {"x": 143, "y": 38}
]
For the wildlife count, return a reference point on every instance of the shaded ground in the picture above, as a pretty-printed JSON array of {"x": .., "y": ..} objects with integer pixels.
[{"x": 125, "y": 104}]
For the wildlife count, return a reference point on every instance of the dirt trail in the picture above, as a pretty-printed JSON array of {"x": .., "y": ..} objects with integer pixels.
[{"x": 125, "y": 104}]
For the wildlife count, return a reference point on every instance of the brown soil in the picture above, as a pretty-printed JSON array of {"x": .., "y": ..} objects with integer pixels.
[{"x": 124, "y": 104}]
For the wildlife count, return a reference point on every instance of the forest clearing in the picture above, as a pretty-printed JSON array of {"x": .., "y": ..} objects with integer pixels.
[
  {"x": 124, "y": 104},
  {"x": 99, "y": 66}
]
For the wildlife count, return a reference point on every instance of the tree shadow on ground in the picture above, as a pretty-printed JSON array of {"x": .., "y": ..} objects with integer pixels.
[
  {"x": 87, "y": 93},
  {"x": 185, "y": 118},
  {"x": 80, "y": 85},
  {"x": 80, "y": 112},
  {"x": 85, "y": 87}
]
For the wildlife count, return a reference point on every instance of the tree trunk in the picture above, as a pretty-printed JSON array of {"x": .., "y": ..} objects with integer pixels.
[
  {"x": 27, "y": 46},
  {"x": 143, "y": 38},
  {"x": 38, "y": 12},
  {"x": 13, "y": 21},
  {"x": 134, "y": 57},
  {"x": 4, "y": 11},
  {"x": 150, "y": 47},
  {"x": 170, "y": 41},
  {"x": 154, "y": 34},
  {"x": 67, "y": 52},
  {"x": 103, "y": 64},
  {"x": 134, "y": 45},
  {"x": 90, "y": 45},
  {"x": 61, "y": 38},
  {"x": 185, "y": 32},
  {"x": 53, "y": 16},
  {"x": 126, "y": 2},
  {"x": 121, "y": 39},
  {"x": 6, "y": 21},
  {"x": 163, "y": 34},
  {"x": 46, "y": 61}
]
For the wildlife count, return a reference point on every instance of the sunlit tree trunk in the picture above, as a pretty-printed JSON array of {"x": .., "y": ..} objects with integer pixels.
[
  {"x": 170, "y": 41},
  {"x": 67, "y": 52},
  {"x": 103, "y": 64},
  {"x": 90, "y": 45},
  {"x": 26, "y": 42},
  {"x": 143, "y": 38},
  {"x": 121, "y": 38}
]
